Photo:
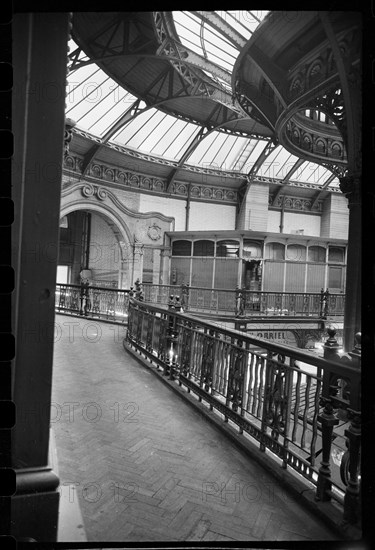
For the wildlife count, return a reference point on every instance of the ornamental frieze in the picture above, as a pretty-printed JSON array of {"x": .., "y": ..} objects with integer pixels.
[
  {"x": 295, "y": 203},
  {"x": 314, "y": 143},
  {"x": 110, "y": 174}
]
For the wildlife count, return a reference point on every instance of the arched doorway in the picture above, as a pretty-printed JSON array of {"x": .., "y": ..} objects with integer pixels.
[{"x": 94, "y": 241}]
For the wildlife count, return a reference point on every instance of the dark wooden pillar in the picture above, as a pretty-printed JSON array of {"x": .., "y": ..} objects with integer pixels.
[
  {"x": 351, "y": 187},
  {"x": 39, "y": 65}
]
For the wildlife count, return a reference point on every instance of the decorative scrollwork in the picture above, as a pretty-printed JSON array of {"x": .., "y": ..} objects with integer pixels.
[
  {"x": 331, "y": 102},
  {"x": 276, "y": 401},
  {"x": 87, "y": 190},
  {"x": 101, "y": 193}
]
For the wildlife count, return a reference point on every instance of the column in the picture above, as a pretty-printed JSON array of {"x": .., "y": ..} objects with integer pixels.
[
  {"x": 39, "y": 64},
  {"x": 351, "y": 186},
  {"x": 137, "y": 262}
]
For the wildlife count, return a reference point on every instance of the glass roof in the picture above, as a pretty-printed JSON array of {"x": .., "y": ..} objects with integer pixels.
[
  {"x": 96, "y": 102},
  {"x": 197, "y": 34}
]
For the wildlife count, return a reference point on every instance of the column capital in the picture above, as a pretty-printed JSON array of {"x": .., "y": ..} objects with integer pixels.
[
  {"x": 350, "y": 185},
  {"x": 166, "y": 252},
  {"x": 138, "y": 248}
]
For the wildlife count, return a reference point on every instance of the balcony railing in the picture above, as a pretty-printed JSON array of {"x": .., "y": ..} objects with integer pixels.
[
  {"x": 98, "y": 302},
  {"x": 287, "y": 401},
  {"x": 244, "y": 303}
]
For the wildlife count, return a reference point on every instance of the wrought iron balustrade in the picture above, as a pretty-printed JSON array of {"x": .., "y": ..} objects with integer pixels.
[
  {"x": 287, "y": 400},
  {"x": 245, "y": 303},
  {"x": 94, "y": 302}
]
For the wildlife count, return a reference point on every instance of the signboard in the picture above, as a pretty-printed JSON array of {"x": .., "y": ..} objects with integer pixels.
[{"x": 277, "y": 336}]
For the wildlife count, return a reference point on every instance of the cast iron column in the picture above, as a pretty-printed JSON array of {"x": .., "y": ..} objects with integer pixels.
[{"x": 40, "y": 42}]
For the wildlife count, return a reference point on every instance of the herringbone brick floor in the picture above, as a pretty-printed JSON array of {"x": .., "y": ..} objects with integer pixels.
[{"x": 144, "y": 465}]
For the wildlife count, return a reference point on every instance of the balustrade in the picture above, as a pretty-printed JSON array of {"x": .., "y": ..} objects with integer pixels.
[
  {"x": 244, "y": 303},
  {"x": 287, "y": 400},
  {"x": 94, "y": 302}
]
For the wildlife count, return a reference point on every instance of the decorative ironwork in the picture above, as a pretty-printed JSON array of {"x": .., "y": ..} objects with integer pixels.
[
  {"x": 68, "y": 135},
  {"x": 247, "y": 303},
  {"x": 259, "y": 386},
  {"x": 92, "y": 301}
]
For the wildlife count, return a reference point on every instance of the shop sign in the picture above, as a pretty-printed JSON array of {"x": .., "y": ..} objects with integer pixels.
[{"x": 278, "y": 336}]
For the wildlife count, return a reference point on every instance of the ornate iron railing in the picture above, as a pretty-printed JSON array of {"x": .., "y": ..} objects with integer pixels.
[
  {"x": 248, "y": 302},
  {"x": 94, "y": 302},
  {"x": 285, "y": 399}
]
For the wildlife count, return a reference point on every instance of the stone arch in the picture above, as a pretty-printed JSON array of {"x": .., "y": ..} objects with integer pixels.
[
  {"x": 138, "y": 230},
  {"x": 106, "y": 213}
]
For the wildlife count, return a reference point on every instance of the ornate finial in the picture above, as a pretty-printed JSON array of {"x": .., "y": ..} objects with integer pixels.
[
  {"x": 68, "y": 134},
  {"x": 356, "y": 351},
  {"x": 331, "y": 346}
]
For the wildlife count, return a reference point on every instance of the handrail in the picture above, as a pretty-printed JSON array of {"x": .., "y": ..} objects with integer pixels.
[
  {"x": 92, "y": 301},
  {"x": 284, "y": 398},
  {"x": 243, "y": 303}
]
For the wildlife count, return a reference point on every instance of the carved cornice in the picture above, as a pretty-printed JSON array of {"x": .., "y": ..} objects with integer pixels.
[
  {"x": 132, "y": 181},
  {"x": 311, "y": 142},
  {"x": 295, "y": 203}
]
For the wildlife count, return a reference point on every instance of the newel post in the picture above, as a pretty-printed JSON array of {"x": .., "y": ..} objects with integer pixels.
[
  {"x": 331, "y": 347},
  {"x": 352, "y": 502},
  {"x": 328, "y": 420}
]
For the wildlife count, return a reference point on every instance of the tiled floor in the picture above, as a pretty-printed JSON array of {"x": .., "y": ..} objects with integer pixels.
[{"x": 144, "y": 465}]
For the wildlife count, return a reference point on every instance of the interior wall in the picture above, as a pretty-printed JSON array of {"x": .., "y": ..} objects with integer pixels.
[
  {"x": 210, "y": 216},
  {"x": 105, "y": 254},
  {"x": 335, "y": 217},
  {"x": 167, "y": 206},
  {"x": 293, "y": 221}
]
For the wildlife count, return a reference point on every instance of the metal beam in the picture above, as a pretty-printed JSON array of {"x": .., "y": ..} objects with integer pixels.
[
  {"x": 133, "y": 111},
  {"x": 261, "y": 104},
  {"x": 222, "y": 26},
  {"x": 351, "y": 126},
  {"x": 267, "y": 150},
  {"x": 322, "y": 191},
  {"x": 204, "y": 132},
  {"x": 130, "y": 113},
  {"x": 198, "y": 61},
  {"x": 269, "y": 147},
  {"x": 285, "y": 181},
  {"x": 191, "y": 147},
  {"x": 271, "y": 72}
]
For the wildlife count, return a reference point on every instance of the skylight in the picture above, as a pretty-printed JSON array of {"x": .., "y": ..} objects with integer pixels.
[
  {"x": 96, "y": 102},
  {"x": 213, "y": 42}
]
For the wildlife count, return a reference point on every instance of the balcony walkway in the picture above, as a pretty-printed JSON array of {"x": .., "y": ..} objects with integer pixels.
[{"x": 145, "y": 466}]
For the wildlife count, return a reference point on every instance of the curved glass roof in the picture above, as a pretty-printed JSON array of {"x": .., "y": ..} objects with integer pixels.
[
  {"x": 214, "y": 42},
  {"x": 96, "y": 103}
]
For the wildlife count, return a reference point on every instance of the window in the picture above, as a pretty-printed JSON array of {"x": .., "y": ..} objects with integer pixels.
[
  {"x": 203, "y": 248},
  {"x": 252, "y": 249},
  {"x": 317, "y": 254},
  {"x": 181, "y": 248},
  {"x": 296, "y": 253},
  {"x": 227, "y": 249},
  {"x": 275, "y": 251},
  {"x": 335, "y": 277},
  {"x": 336, "y": 254}
]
